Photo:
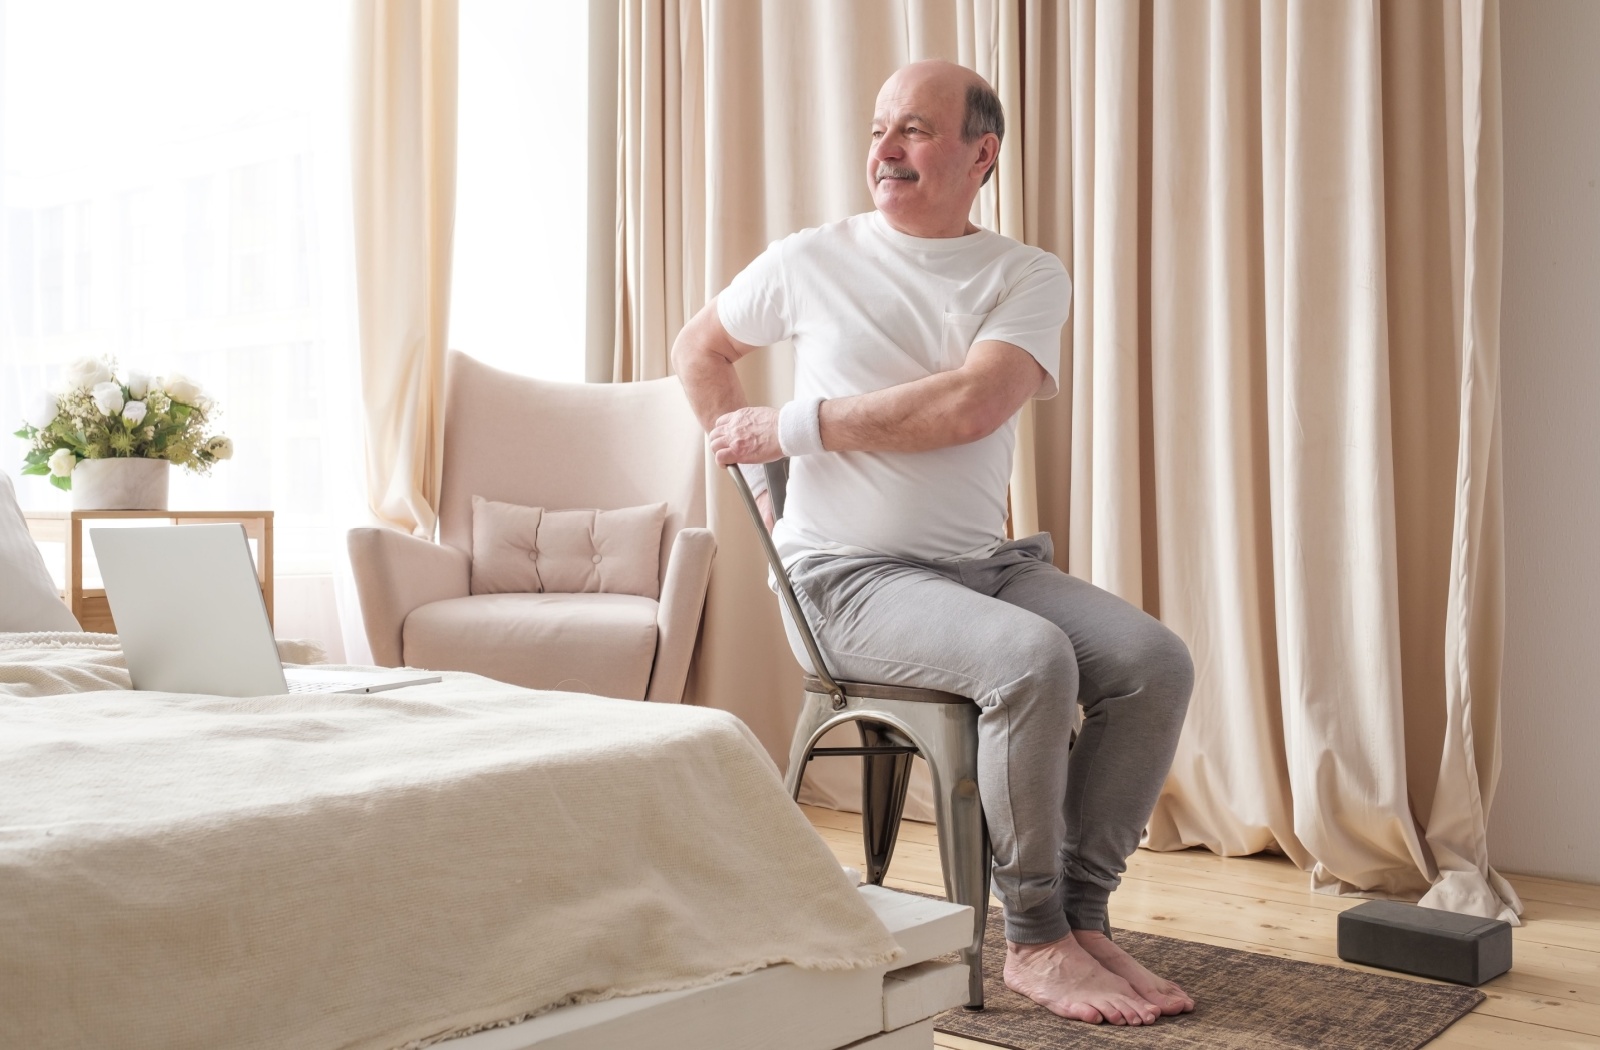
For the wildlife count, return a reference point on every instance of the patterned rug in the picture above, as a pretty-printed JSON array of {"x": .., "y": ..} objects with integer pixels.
[{"x": 1244, "y": 1001}]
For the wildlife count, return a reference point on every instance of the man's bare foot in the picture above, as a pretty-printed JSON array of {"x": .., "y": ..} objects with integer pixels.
[
  {"x": 1066, "y": 980},
  {"x": 1163, "y": 994}
]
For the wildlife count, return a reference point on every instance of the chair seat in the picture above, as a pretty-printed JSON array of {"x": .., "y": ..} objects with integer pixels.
[
  {"x": 876, "y": 691},
  {"x": 589, "y": 643}
]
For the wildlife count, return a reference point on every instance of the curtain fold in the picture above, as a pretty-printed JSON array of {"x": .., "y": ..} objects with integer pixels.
[
  {"x": 1279, "y": 427},
  {"x": 1209, "y": 245},
  {"x": 1324, "y": 255},
  {"x": 403, "y": 169},
  {"x": 660, "y": 228}
]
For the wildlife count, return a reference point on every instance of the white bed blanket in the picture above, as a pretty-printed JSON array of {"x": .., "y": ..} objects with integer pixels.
[{"x": 384, "y": 870}]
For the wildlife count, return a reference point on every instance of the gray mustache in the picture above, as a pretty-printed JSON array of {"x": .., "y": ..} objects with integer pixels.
[{"x": 889, "y": 171}]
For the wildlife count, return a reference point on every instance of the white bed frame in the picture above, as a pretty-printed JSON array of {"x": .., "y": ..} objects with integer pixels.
[{"x": 780, "y": 1007}]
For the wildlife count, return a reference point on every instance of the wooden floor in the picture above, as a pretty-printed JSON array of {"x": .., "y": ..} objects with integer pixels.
[{"x": 1551, "y": 997}]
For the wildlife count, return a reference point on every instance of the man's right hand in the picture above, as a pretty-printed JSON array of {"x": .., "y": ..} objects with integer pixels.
[{"x": 746, "y": 435}]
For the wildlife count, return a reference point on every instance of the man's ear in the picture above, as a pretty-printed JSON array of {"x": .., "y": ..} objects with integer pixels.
[{"x": 988, "y": 153}]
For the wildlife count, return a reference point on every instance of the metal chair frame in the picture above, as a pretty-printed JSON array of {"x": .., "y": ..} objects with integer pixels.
[{"x": 896, "y": 723}]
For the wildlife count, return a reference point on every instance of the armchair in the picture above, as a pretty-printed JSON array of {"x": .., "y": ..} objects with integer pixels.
[{"x": 560, "y": 446}]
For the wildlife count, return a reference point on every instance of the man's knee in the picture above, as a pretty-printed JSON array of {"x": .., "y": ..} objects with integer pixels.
[
  {"x": 1152, "y": 663},
  {"x": 1041, "y": 652},
  {"x": 1168, "y": 669}
]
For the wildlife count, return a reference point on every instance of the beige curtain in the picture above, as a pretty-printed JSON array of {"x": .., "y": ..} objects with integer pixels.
[
  {"x": 403, "y": 157},
  {"x": 1280, "y": 429},
  {"x": 1295, "y": 458},
  {"x": 659, "y": 237}
]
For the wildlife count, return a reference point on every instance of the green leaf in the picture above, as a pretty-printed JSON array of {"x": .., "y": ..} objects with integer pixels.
[
  {"x": 36, "y": 470},
  {"x": 64, "y": 484},
  {"x": 25, "y": 433}
]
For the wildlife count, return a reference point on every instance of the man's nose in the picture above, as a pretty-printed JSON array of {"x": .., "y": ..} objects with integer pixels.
[{"x": 888, "y": 146}]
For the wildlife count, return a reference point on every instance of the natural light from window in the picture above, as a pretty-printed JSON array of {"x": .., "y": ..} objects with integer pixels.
[
  {"x": 175, "y": 193},
  {"x": 174, "y": 185},
  {"x": 517, "y": 288}
]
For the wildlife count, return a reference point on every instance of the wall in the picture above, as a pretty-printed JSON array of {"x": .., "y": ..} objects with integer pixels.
[{"x": 1546, "y": 817}]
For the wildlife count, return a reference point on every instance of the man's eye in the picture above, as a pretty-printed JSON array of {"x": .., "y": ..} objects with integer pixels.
[
  {"x": 913, "y": 131},
  {"x": 877, "y": 134}
]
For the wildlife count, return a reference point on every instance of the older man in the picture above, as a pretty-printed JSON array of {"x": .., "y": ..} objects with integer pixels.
[{"x": 918, "y": 338}]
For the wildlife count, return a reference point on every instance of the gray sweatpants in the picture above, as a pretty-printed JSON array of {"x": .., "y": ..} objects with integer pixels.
[{"x": 1025, "y": 640}]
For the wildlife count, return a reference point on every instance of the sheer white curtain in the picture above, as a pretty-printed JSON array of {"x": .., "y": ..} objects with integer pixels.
[
  {"x": 518, "y": 289},
  {"x": 175, "y": 193}
]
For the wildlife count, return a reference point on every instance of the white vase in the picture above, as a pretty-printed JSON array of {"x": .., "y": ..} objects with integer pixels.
[{"x": 120, "y": 484}]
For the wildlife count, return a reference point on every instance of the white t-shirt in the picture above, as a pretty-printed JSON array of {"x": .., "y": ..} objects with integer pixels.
[{"x": 868, "y": 307}]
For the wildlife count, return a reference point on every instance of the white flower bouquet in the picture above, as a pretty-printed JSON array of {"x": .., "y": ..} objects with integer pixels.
[{"x": 101, "y": 414}]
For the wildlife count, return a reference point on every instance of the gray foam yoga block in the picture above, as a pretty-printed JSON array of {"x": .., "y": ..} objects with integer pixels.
[{"x": 1425, "y": 941}]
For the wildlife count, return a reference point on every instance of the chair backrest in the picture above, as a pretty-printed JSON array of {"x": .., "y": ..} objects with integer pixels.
[
  {"x": 777, "y": 484},
  {"x": 567, "y": 446},
  {"x": 777, "y": 473}
]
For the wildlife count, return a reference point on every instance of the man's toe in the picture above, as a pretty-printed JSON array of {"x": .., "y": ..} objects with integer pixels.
[
  {"x": 1083, "y": 1012},
  {"x": 1119, "y": 1010}
]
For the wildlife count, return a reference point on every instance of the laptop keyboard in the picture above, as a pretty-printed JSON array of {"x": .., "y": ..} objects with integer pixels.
[{"x": 317, "y": 687}]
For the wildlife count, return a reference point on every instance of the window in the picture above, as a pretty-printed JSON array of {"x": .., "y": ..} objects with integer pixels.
[
  {"x": 175, "y": 193},
  {"x": 517, "y": 285}
]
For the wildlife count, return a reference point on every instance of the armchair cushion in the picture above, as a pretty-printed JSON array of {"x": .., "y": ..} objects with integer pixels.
[
  {"x": 590, "y": 643},
  {"x": 532, "y": 550}
]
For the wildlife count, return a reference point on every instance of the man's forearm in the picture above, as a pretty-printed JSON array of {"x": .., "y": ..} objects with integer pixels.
[
  {"x": 925, "y": 414},
  {"x": 937, "y": 411}
]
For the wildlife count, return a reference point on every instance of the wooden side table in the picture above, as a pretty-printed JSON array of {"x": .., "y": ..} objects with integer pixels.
[{"x": 89, "y": 604}]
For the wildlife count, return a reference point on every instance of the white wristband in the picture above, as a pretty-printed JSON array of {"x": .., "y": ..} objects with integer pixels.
[{"x": 800, "y": 427}]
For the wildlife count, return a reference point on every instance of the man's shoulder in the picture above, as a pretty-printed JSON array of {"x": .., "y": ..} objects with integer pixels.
[
  {"x": 1016, "y": 253},
  {"x": 849, "y": 228},
  {"x": 822, "y": 244},
  {"x": 1018, "y": 263}
]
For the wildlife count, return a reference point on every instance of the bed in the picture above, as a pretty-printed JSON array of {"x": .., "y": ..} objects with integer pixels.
[{"x": 463, "y": 861}]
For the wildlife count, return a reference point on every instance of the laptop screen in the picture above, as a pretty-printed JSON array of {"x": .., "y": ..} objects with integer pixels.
[{"x": 188, "y": 608}]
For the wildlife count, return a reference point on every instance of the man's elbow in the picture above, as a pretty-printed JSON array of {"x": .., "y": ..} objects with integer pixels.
[
  {"x": 981, "y": 417},
  {"x": 991, "y": 392},
  {"x": 682, "y": 354},
  {"x": 696, "y": 346},
  {"x": 967, "y": 428},
  {"x": 690, "y": 358}
]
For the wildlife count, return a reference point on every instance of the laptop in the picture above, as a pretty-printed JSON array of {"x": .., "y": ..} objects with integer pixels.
[{"x": 191, "y": 617}]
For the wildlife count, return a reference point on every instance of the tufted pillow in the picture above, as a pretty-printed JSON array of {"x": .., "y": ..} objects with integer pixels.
[
  {"x": 530, "y": 549},
  {"x": 31, "y": 601}
]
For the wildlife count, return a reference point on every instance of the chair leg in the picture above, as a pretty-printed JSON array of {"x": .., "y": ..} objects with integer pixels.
[
  {"x": 965, "y": 856},
  {"x": 816, "y": 711},
  {"x": 884, "y": 780}
]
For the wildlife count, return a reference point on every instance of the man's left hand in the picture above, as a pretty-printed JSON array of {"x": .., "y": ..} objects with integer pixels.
[{"x": 747, "y": 435}]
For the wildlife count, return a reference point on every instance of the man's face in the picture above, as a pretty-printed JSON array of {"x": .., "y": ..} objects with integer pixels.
[{"x": 922, "y": 176}]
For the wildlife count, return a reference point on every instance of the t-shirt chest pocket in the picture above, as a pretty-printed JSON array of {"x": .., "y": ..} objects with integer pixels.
[{"x": 959, "y": 331}]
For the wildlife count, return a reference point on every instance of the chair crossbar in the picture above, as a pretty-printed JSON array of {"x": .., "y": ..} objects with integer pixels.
[
  {"x": 873, "y": 690},
  {"x": 885, "y": 749}
]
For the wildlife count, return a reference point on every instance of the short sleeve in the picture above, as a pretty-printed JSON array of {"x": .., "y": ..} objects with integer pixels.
[
  {"x": 754, "y": 308},
  {"x": 1031, "y": 315}
]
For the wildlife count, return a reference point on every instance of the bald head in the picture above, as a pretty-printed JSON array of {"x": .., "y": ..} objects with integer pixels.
[
  {"x": 981, "y": 113},
  {"x": 936, "y": 130}
]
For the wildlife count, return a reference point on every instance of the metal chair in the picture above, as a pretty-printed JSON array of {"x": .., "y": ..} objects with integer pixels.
[{"x": 895, "y": 723}]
